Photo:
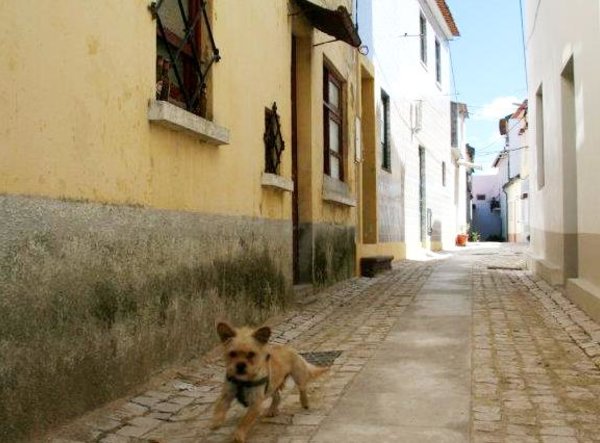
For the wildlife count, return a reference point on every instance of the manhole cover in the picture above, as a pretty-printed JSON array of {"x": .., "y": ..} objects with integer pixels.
[{"x": 323, "y": 358}]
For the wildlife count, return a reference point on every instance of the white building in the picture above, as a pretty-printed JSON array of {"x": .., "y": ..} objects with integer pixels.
[
  {"x": 487, "y": 220},
  {"x": 513, "y": 176},
  {"x": 421, "y": 183},
  {"x": 563, "y": 54}
]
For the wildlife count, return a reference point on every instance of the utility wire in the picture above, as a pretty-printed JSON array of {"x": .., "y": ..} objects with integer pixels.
[
  {"x": 452, "y": 72},
  {"x": 484, "y": 149},
  {"x": 523, "y": 42},
  {"x": 535, "y": 17}
]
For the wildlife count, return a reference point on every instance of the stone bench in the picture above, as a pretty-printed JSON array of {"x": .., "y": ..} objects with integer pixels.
[{"x": 370, "y": 266}]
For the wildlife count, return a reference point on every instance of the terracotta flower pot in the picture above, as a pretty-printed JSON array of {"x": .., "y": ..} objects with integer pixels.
[{"x": 461, "y": 239}]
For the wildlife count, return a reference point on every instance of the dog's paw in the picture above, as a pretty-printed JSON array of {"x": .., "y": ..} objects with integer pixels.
[
  {"x": 215, "y": 425},
  {"x": 239, "y": 437},
  {"x": 272, "y": 413}
]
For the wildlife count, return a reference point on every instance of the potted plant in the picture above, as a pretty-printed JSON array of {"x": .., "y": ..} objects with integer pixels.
[
  {"x": 461, "y": 239},
  {"x": 474, "y": 236}
]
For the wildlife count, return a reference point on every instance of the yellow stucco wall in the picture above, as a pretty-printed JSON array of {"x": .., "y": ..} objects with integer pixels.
[
  {"x": 76, "y": 85},
  {"x": 344, "y": 61}
]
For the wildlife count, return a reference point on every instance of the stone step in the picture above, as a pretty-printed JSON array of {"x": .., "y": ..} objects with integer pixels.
[{"x": 304, "y": 294}]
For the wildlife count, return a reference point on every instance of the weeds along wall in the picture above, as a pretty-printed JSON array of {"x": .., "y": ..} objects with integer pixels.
[{"x": 96, "y": 297}]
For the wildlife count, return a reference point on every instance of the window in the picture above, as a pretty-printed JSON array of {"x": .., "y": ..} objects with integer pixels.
[
  {"x": 539, "y": 136},
  {"x": 438, "y": 61},
  {"x": 454, "y": 124},
  {"x": 444, "y": 174},
  {"x": 480, "y": 196},
  {"x": 423, "y": 37},
  {"x": 273, "y": 139},
  {"x": 333, "y": 124},
  {"x": 185, "y": 51},
  {"x": 386, "y": 160}
]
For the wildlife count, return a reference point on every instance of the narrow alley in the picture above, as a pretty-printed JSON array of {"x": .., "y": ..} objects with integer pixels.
[{"x": 468, "y": 346}]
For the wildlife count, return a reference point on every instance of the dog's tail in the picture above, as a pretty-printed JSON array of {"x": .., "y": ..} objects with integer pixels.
[{"x": 316, "y": 371}]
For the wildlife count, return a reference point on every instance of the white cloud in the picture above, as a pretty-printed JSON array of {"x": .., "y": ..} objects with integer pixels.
[{"x": 497, "y": 108}]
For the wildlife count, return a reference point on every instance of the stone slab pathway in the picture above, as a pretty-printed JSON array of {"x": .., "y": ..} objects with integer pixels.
[{"x": 468, "y": 348}]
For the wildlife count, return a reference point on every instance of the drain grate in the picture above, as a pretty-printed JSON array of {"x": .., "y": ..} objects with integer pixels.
[
  {"x": 506, "y": 268},
  {"x": 322, "y": 358}
]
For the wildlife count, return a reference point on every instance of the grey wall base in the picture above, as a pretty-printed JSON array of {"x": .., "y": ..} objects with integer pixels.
[
  {"x": 94, "y": 298},
  {"x": 327, "y": 253}
]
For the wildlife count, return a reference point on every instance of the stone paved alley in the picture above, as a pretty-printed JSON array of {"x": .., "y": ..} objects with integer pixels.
[{"x": 468, "y": 347}]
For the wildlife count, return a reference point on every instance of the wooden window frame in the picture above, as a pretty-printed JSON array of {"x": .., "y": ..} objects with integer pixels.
[
  {"x": 190, "y": 80},
  {"x": 336, "y": 114}
]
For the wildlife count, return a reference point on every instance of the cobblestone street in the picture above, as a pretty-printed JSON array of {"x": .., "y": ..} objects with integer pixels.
[{"x": 467, "y": 346}]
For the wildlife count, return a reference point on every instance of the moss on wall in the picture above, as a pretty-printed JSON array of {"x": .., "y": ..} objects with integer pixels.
[
  {"x": 335, "y": 251},
  {"x": 87, "y": 316}
]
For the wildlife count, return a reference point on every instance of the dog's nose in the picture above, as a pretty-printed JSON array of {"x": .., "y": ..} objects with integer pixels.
[{"x": 240, "y": 367}]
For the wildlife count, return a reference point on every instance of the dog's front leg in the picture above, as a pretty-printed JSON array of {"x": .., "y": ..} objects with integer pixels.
[
  {"x": 254, "y": 411},
  {"x": 274, "y": 409},
  {"x": 222, "y": 406}
]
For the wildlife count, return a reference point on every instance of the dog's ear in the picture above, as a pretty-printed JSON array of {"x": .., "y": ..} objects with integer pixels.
[
  {"x": 262, "y": 334},
  {"x": 225, "y": 331}
]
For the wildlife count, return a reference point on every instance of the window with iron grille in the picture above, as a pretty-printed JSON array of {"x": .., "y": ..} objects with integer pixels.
[
  {"x": 186, "y": 51},
  {"x": 386, "y": 160},
  {"x": 273, "y": 139},
  {"x": 423, "y": 37},
  {"x": 333, "y": 124}
]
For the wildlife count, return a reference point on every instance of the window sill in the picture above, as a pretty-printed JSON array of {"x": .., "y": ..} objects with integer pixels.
[
  {"x": 277, "y": 182},
  {"x": 336, "y": 191},
  {"x": 168, "y": 115}
]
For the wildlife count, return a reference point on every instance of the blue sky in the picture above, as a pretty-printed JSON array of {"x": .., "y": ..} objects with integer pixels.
[{"x": 488, "y": 67}]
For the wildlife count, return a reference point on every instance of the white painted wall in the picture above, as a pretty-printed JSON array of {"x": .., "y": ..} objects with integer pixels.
[
  {"x": 556, "y": 31},
  {"x": 400, "y": 72}
]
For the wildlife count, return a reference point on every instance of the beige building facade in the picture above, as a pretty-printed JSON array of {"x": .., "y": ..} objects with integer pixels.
[
  {"x": 563, "y": 64},
  {"x": 144, "y": 191}
]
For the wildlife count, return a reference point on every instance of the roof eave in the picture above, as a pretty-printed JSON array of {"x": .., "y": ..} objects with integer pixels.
[{"x": 444, "y": 17}]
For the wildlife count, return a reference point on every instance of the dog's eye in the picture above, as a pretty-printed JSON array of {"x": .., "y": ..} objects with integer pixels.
[
  {"x": 251, "y": 354},
  {"x": 233, "y": 354}
]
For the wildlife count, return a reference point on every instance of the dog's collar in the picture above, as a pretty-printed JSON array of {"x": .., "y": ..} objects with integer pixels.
[{"x": 242, "y": 385}]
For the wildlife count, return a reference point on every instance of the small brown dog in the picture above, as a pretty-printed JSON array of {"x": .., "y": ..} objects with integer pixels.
[{"x": 257, "y": 370}]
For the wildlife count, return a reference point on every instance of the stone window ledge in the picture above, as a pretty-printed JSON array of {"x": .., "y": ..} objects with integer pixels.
[
  {"x": 336, "y": 191},
  {"x": 277, "y": 182},
  {"x": 167, "y": 114}
]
